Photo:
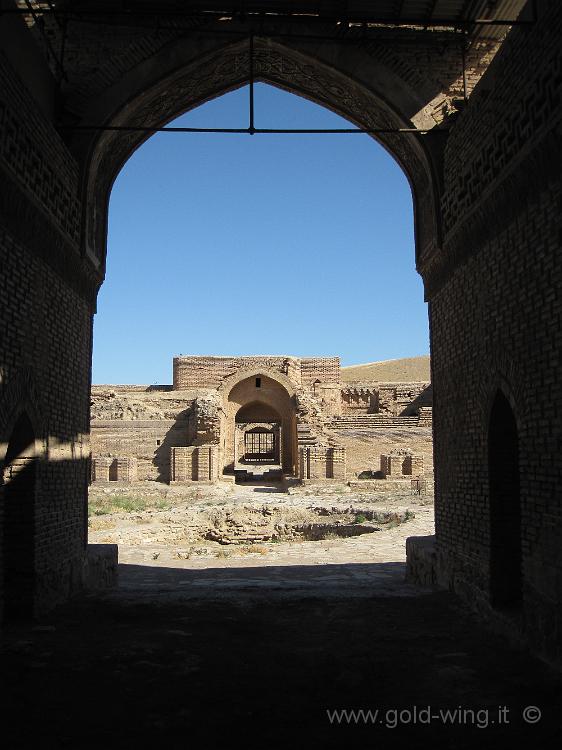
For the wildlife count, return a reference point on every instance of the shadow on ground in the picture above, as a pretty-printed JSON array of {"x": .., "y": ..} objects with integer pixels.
[{"x": 149, "y": 666}]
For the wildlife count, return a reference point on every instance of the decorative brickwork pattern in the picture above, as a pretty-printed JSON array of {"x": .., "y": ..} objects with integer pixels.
[{"x": 33, "y": 152}]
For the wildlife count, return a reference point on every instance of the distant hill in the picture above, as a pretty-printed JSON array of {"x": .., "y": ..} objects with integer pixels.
[{"x": 410, "y": 369}]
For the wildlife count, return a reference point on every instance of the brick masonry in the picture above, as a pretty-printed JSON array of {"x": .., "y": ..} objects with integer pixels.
[
  {"x": 194, "y": 464},
  {"x": 319, "y": 463},
  {"x": 148, "y": 424},
  {"x": 496, "y": 316},
  {"x": 209, "y": 372},
  {"x": 488, "y": 239}
]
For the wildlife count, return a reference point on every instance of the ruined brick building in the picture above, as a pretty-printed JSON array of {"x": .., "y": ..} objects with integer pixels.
[
  {"x": 238, "y": 416},
  {"x": 465, "y": 94}
]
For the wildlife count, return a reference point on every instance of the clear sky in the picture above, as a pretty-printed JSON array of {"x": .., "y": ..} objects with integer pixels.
[{"x": 264, "y": 244}]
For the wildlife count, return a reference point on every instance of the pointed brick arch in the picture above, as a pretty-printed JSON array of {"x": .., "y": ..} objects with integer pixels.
[
  {"x": 276, "y": 392},
  {"x": 340, "y": 85},
  {"x": 253, "y": 372}
]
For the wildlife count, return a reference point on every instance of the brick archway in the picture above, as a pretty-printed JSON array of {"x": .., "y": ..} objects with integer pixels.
[
  {"x": 221, "y": 69},
  {"x": 251, "y": 372},
  {"x": 273, "y": 401}
]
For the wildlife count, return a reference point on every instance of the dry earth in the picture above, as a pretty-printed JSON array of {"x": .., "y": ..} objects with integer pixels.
[
  {"x": 407, "y": 370},
  {"x": 235, "y": 526}
]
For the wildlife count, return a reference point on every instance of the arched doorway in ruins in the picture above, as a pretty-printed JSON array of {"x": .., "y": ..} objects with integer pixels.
[
  {"x": 260, "y": 425},
  {"x": 258, "y": 435},
  {"x": 18, "y": 539}
]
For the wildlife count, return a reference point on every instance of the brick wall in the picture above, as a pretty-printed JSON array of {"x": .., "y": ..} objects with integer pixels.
[
  {"x": 318, "y": 463},
  {"x": 195, "y": 463},
  {"x": 496, "y": 319},
  {"x": 209, "y": 372},
  {"x": 324, "y": 369},
  {"x": 47, "y": 294},
  {"x": 400, "y": 399}
]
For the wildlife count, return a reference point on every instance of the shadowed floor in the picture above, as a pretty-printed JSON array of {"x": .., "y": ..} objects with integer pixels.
[{"x": 178, "y": 658}]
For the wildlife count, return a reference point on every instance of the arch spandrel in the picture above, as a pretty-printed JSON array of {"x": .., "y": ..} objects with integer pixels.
[{"x": 223, "y": 69}]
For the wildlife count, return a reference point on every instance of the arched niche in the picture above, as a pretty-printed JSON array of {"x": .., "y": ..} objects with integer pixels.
[{"x": 506, "y": 577}]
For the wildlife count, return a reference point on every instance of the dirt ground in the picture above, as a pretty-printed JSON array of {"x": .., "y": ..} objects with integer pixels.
[
  {"x": 258, "y": 649},
  {"x": 194, "y": 528}
]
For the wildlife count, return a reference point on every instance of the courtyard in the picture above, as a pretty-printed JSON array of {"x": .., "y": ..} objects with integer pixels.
[{"x": 265, "y": 643}]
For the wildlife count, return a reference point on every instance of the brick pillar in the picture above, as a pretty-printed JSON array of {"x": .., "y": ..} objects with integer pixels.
[
  {"x": 319, "y": 462},
  {"x": 395, "y": 464},
  {"x": 127, "y": 470},
  {"x": 417, "y": 466},
  {"x": 304, "y": 471},
  {"x": 100, "y": 469},
  {"x": 194, "y": 463},
  {"x": 182, "y": 461},
  {"x": 337, "y": 464}
]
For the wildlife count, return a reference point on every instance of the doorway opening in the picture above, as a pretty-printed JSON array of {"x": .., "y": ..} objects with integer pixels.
[
  {"x": 260, "y": 444},
  {"x": 506, "y": 589}
]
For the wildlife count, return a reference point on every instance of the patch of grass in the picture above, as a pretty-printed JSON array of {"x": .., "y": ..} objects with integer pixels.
[
  {"x": 360, "y": 518},
  {"x": 102, "y": 506},
  {"x": 222, "y": 553}
]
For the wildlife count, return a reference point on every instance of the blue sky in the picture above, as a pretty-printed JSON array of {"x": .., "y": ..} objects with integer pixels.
[{"x": 264, "y": 244}]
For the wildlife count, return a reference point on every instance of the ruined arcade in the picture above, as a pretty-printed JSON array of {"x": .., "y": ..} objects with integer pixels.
[
  {"x": 227, "y": 418},
  {"x": 467, "y": 103}
]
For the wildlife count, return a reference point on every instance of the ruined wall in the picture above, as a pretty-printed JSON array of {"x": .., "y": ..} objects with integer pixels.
[
  {"x": 496, "y": 320},
  {"x": 398, "y": 399},
  {"x": 196, "y": 463},
  {"x": 141, "y": 422},
  {"x": 402, "y": 463},
  {"x": 209, "y": 372},
  {"x": 318, "y": 463},
  {"x": 324, "y": 369},
  {"x": 366, "y": 445}
]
